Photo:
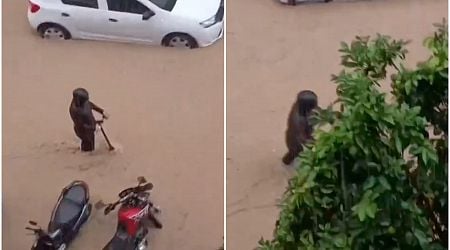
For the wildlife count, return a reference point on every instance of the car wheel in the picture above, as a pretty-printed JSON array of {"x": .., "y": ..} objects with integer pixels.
[
  {"x": 179, "y": 40},
  {"x": 54, "y": 31}
]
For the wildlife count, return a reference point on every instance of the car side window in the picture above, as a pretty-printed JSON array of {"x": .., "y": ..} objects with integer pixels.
[
  {"x": 137, "y": 7},
  {"x": 82, "y": 3},
  {"x": 129, "y": 6}
]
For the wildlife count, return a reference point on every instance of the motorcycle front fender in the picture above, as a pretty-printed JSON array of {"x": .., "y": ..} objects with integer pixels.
[{"x": 121, "y": 241}]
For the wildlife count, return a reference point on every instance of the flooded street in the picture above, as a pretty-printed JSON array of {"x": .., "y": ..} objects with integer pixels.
[
  {"x": 166, "y": 108},
  {"x": 273, "y": 52}
]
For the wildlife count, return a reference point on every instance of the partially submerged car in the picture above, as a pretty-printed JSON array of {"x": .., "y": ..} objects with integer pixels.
[{"x": 171, "y": 23}]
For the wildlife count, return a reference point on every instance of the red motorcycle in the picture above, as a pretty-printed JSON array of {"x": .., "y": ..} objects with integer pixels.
[{"x": 135, "y": 210}]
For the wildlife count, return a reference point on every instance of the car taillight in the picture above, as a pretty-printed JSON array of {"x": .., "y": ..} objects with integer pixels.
[{"x": 34, "y": 7}]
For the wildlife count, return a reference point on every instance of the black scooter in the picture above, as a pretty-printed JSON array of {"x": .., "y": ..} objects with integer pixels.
[{"x": 71, "y": 211}]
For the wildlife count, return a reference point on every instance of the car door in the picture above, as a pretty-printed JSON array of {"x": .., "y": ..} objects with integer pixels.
[
  {"x": 126, "y": 21},
  {"x": 86, "y": 16}
]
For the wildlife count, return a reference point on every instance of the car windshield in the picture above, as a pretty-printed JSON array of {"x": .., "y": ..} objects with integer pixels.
[{"x": 165, "y": 4}]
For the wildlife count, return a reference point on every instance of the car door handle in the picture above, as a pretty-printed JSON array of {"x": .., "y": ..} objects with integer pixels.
[
  {"x": 113, "y": 20},
  {"x": 65, "y": 14}
]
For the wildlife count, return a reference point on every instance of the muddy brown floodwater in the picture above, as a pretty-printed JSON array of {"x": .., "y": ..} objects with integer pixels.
[
  {"x": 273, "y": 51},
  {"x": 166, "y": 108}
]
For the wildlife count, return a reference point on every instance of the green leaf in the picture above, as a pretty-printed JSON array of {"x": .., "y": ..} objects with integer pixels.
[
  {"x": 421, "y": 237},
  {"x": 408, "y": 87},
  {"x": 433, "y": 62},
  {"x": 370, "y": 182},
  {"x": 350, "y": 64},
  {"x": 409, "y": 238},
  {"x": 416, "y": 110},
  {"x": 398, "y": 145},
  {"x": 361, "y": 145},
  {"x": 433, "y": 157},
  {"x": 371, "y": 210},
  {"x": 361, "y": 214},
  {"x": 425, "y": 156},
  {"x": 344, "y": 47},
  {"x": 389, "y": 119},
  {"x": 326, "y": 190},
  {"x": 383, "y": 181},
  {"x": 391, "y": 230},
  {"x": 339, "y": 242},
  {"x": 308, "y": 200}
]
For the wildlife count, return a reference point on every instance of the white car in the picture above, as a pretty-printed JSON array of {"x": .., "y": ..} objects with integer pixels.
[{"x": 172, "y": 23}]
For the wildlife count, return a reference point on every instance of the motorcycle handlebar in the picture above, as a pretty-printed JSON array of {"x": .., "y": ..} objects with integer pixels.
[
  {"x": 112, "y": 206},
  {"x": 136, "y": 190},
  {"x": 37, "y": 231},
  {"x": 128, "y": 193},
  {"x": 128, "y": 196}
]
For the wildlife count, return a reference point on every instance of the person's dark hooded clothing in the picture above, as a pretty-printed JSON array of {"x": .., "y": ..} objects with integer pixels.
[{"x": 84, "y": 121}]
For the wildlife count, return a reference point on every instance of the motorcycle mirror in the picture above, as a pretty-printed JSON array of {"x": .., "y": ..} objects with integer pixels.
[
  {"x": 100, "y": 204},
  {"x": 33, "y": 223},
  {"x": 109, "y": 208},
  {"x": 148, "y": 186},
  {"x": 141, "y": 180}
]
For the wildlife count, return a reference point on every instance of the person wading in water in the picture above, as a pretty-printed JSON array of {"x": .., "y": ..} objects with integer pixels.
[
  {"x": 300, "y": 129},
  {"x": 83, "y": 119}
]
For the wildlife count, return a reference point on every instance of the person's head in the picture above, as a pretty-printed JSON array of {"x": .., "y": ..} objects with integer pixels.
[
  {"x": 306, "y": 101},
  {"x": 80, "y": 96}
]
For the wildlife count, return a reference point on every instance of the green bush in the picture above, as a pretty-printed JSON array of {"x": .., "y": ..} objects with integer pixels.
[{"x": 374, "y": 180}]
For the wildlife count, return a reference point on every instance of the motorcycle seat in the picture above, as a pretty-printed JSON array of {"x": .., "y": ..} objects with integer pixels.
[
  {"x": 69, "y": 208},
  {"x": 77, "y": 194}
]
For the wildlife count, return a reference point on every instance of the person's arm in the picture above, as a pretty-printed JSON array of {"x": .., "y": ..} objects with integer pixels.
[
  {"x": 97, "y": 108},
  {"x": 100, "y": 110}
]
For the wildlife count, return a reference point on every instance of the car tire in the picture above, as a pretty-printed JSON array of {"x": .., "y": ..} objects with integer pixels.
[
  {"x": 180, "y": 40},
  {"x": 53, "y": 31}
]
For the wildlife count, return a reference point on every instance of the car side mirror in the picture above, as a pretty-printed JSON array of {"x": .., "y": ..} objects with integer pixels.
[{"x": 146, "y": 15}]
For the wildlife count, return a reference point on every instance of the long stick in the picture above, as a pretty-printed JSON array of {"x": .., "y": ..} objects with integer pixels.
[{"x": 106, "y": 138}]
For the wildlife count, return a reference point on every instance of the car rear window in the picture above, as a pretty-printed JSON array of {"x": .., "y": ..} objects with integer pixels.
[
  {"x": 165, "y": 4},
  {"x": 82, "y": 3}
]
